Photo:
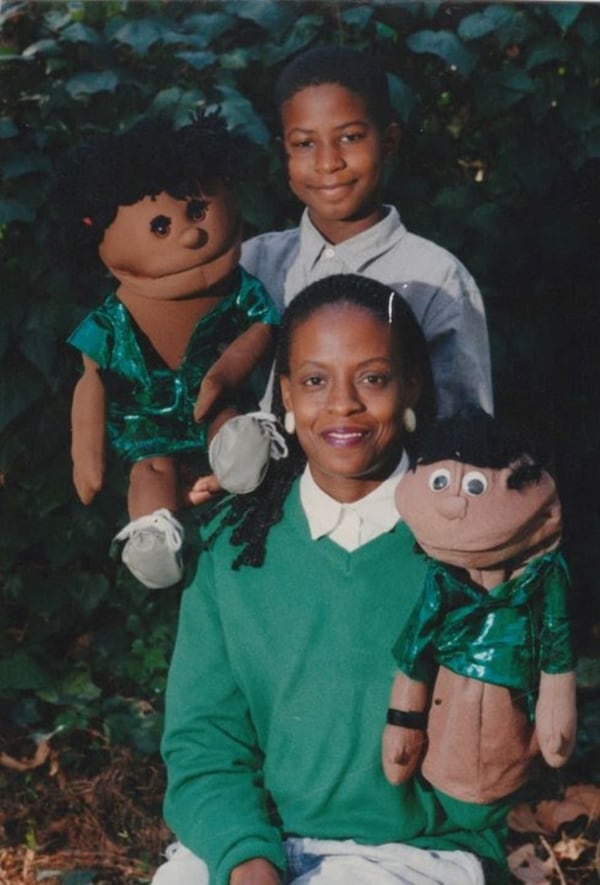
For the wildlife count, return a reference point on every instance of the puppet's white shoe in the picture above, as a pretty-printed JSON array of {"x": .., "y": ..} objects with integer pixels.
[
  {"x": 240, "y": 452},
  {"x": 152, "y": 551}
]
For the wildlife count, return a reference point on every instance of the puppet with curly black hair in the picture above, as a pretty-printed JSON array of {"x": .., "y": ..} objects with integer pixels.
[
  {"x": 168, "y": 357},
  {"x": 486, "y": 666}
]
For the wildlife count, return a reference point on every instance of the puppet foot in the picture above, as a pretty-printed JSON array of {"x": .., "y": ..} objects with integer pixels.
[
  {"x": 240, "y": 452},
  {"x": 152, "y": 549}
]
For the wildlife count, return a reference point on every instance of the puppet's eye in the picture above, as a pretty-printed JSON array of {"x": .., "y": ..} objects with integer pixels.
[
  {"x": 474, "y": 483},
  {"x": 196, "y": 210},
  {"x": 160, "y": 225},
  {"x": 439, "y": 480}
]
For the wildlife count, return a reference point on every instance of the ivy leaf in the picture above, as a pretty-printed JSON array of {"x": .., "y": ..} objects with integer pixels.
[
  {"x": 90, "y": 591},
  {"x": 57, "y": 19},
  {"x": 24, "y": 164},
  {"x": 446, "y": 46},
  {"x": 305, "y": 29},
  {"x": 40, "y": 349},
  {"x": 197, "y": 60},
  {"x": 41, "y": 47},
  {"x": 384, "y": 32},
  {"x": 207, "y": 26},
  {"x": 544, "y": 52},
  {"x": 358, "y": 16},
  {"x": 402, "y": 97},
  {"x": 481, "y": 23},
  {"x": 91, "y": 83},
  {"x": 234, "y": 60},
  {"x": 7, "y": 128},
  {"x": 20, "y": 671},
  {"x": 564, "y": 14},
  {"x": 275, "y": 18},
  {"x": 589, "y": 31},
  {"x": 139, "y": 34},
  {"x": 80, "y": 33},
  {"x": 76, "y": 687},
  {"x": 500, "y": 90},
  {"x": 179, "y": 104},
  {"x": 16, "y": 210},
  {"x": 19, "y": 390},
  {"x": 239, "y": 113}
]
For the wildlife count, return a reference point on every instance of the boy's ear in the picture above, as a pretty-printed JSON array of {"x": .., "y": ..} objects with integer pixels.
[
  {"x": 280, "y": 151},
  {"x": 391, "y": 140}
]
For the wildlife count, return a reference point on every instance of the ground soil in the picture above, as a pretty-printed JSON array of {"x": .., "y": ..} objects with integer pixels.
[{"x": 78, "y": 811}]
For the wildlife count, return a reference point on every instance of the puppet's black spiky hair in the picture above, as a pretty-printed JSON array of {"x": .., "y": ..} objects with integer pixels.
[
  {"x": 472, "y": 436},
  {"x": 113, "y": 170}
]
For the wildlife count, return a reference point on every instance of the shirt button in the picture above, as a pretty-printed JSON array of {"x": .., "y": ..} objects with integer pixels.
[{"x": 329, "y": 252}]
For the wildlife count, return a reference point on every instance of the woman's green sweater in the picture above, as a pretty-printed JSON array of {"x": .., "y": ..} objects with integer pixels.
[{"x": 276, "y": 701}]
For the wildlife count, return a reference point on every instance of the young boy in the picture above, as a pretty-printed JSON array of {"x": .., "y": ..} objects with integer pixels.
[{"x": 338, "y": 132}]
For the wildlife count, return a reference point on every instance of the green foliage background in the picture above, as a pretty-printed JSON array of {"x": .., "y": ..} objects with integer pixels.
[{"x": 499, "y": 163}]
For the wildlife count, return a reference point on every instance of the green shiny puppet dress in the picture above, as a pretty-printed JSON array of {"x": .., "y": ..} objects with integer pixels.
[{"x": 150, "y": 406}]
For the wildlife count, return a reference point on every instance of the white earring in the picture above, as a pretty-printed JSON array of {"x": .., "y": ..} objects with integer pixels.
[
  {"x": 409, "y": 419},
  {"x": 289, "y": 422}
]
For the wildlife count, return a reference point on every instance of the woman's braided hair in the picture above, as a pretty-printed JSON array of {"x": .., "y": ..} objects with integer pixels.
[{"x": 253, "y": 515}]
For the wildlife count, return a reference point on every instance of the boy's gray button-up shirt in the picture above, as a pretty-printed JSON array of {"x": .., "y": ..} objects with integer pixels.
[{"x": 441, "y": 292}]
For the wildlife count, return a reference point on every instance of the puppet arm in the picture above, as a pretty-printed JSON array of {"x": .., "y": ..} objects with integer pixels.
[
  {"x": 556, "y": 717},
  {"x": 401, "y": 746},
  {"x": 234, "y": 366},
  {"x": 88, "y": 419}
]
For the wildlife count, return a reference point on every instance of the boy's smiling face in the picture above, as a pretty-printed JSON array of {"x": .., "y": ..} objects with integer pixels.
[{"x": 335, "y": 156}]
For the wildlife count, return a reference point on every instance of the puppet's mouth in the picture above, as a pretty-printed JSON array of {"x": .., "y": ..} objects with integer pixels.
[
  {"x": 125, "y": 274},
  {"x": 525, "y": 542}
]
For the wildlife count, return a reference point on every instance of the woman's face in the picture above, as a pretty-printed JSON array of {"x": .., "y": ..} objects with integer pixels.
[{"x": 348, "y": 396}]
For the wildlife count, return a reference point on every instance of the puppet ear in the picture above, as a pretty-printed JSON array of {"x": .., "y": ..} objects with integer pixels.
[{"x": 524, "y": 473}]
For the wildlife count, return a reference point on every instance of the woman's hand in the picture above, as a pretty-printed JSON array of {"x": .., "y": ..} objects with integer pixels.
[
  {"x": 204, "y": 489},
  {"x": 257, "y": 871}
]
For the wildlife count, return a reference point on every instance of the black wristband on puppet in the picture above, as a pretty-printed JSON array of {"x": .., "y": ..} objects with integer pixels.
[{"x": 407, "y": 720}]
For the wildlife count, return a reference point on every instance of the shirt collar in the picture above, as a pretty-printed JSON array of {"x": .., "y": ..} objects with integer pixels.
[
  {"x": 359, "y": 249},
  {"x": 377, "y": 509}
]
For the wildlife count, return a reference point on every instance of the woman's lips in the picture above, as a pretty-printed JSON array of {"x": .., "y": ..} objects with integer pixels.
[{"x": 344, "y": 437}]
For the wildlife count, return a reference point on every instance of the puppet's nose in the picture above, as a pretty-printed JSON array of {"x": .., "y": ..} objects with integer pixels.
[
  {"x": 193, "y": 237},
  {"x": 452, "y": 507}
]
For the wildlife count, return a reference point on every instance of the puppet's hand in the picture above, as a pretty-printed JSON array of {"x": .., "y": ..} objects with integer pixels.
[
  {"x": 212, "y": 388},
  {"x": 88, "y": 416},
  {"x": 401, "y": 749},
  {"x": 88, "y": 476},
  {"x": 234, "y": 366},
  {"x": 556, "y": 717}
]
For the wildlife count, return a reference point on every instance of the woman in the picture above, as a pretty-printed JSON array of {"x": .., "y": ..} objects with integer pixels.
[{"x": 282, "y": 665}]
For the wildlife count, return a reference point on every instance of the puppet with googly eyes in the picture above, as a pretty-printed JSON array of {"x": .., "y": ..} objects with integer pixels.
[
  {"x": 485, "y": 665},
  {"x": 168, "y": 356}
]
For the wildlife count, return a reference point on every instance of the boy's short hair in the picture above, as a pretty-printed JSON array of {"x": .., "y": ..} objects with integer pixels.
[{"x": 357, "y": 71}]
